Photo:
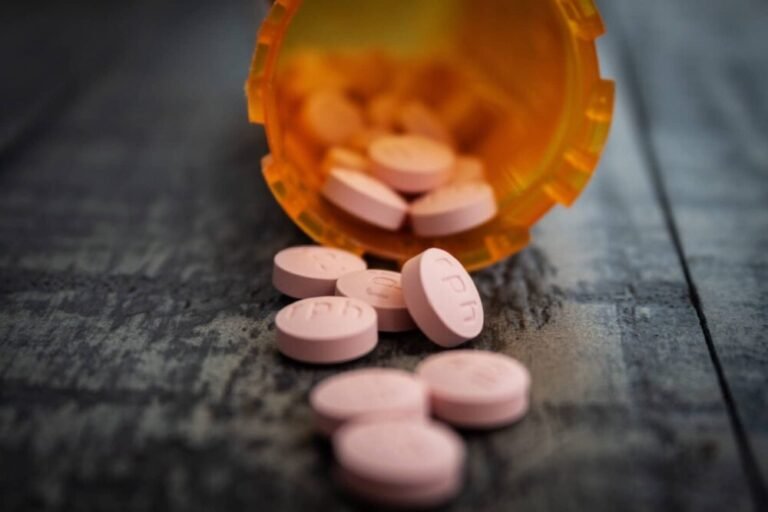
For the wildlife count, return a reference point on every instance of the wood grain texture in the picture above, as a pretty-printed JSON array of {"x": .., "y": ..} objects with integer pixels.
[
  {"x": 137, "y": 360},
  {"x": 705, "y": 111},
  {"x": 50, "y": 52}
]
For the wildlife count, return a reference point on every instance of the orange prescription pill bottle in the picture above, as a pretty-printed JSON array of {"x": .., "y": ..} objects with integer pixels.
[{"x": 517, "y": 81}]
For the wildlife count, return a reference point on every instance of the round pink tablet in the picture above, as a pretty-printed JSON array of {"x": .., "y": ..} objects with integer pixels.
[
  {"x": 326, "y": 330},
  {"x": 311, "y": 270},
  {"x": 401, "y": 462},
  {"x": 442, "y": 298},
  {"x": 411, "y": 163},
  {"x": 368, "y": 393},
  {"x": 382, "y": 290},
  {"x": 366, "y": 198},
  {"x": 329, "y": 117},
  {"x": 476, "y": 389},
  {"x": 453, "y": 208}
]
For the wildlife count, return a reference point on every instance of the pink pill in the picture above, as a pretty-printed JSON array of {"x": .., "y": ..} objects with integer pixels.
[
  {"x": 410, "y": 163},
  {"x": 381, "y": 289},
  {"x": 476, "y": 389},
  {"x": 400, "y": 462},
  {"x": 329, "y": 117},
  {"x": 326, "y": 330},
  {"x": 370, "y": 393},
  {"x": 366, "y": 198},
  {"x": 311, "y": 270},
  {"x": 453, "y": 208},
  {"x": 442, "y": 298}
]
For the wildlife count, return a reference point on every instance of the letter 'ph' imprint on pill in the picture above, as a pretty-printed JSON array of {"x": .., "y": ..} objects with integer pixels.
[
  {"x": 351, "y": 309},
  {"x": 456, "y": 283},
  {"x": 327, "y": 262},
  {"x": 313, "y": 309},
  {"x": 319, "y": 309},
  {"x": 442, "y": 298},
  {"x": 381, "y": 284},
  {"x": 472, "y": 306},
  {"x": 322, "y": 308}
]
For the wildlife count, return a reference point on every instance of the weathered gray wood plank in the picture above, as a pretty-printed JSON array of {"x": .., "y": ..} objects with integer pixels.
[
  {"x": 702, "y": 77},
  {"x": 137, "y": 364},
  {"x": 50, "y": 52}
]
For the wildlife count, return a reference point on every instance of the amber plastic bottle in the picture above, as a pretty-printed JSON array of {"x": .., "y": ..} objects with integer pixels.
[{"x": 536, "y": 59}]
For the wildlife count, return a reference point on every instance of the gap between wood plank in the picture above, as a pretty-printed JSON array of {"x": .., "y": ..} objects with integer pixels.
[{"x": 639, "y": 111}]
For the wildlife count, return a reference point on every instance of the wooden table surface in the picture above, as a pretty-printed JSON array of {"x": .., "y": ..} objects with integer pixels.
[{"x": 137, "y": 360}]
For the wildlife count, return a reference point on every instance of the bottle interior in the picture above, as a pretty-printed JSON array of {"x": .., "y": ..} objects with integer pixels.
[{"x": 523, "y": 63}]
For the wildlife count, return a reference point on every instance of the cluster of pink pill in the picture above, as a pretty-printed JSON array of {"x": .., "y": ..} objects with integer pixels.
[
  {"x": 387, "y": 448},
  {"x": 391, "y": 157},
  {"x": 455, "y": 196}
]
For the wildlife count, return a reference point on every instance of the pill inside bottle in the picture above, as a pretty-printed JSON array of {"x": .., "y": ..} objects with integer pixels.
[{"x": 369, "y": 107}]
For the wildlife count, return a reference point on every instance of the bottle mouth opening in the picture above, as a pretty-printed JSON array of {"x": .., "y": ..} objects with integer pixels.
[{"x": 529, "y": 65}]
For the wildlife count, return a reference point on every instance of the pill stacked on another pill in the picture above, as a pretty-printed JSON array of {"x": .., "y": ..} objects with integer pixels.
[
  {"x": 387, "y": 448},
  {"x": 385, "y": 149},
  {"x": 393, "y": 154},
  {"x": 396, "y": 145},
  {"x": 410, "y": 177},
  {"x": 345, "y": 304}
]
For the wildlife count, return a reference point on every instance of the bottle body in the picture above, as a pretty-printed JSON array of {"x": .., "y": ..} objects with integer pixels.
[{"x": 538, "y": 115}]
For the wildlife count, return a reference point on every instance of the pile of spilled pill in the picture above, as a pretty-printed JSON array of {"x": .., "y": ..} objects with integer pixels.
[
  {"x": 390, "y": 153},
  {"x": 391, "y": 429}
]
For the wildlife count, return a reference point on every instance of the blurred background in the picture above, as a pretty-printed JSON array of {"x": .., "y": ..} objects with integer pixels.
[{"x": 135, "y": 243}]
